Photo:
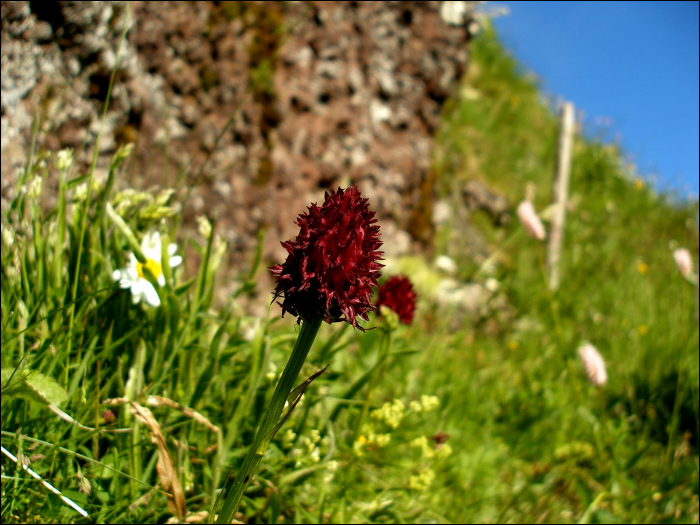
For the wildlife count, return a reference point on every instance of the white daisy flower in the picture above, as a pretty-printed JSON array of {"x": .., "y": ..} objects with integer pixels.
[{"x": 133, "y": 277}]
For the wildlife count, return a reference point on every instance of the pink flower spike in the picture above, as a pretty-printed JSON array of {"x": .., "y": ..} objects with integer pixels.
[
  {"x": 530, "y": 221},
  {"x": 684, "y": 261},
  {"x": 594, "y": 363}
]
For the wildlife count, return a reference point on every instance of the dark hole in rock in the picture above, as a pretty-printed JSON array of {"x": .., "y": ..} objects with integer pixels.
[
  {"x": 314, "y": 48},
  {"x": 240, "y": 138},
  {"x": 99, "y": 84},
  {"x": 343, "y": 126},
  {"x": 299, "y": 105},
  {"x": 90, "y": 59},
  {"x": 135, "y": 118},
  {"x": 48, "y": 12},
  {"x": 326, "y": 182},
  {"x": 437, "y": 96}
]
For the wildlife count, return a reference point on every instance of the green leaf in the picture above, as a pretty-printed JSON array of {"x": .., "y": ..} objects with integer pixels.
[
  {"x": 33, "y": 386},
  {"x": 180, "y": 290},
  {"x": 76, "y": 496},
  {"x": 77, "y": 180},
  {"x": 293, "y": 398},
  {"x": 47, "y": 387},
  {"x": 12, "y": 380}
]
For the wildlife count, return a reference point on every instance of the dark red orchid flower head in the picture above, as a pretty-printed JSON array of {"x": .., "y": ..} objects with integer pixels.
[
  {"x": 332, "y": 265},
  {"x": 398, "y": 294}
]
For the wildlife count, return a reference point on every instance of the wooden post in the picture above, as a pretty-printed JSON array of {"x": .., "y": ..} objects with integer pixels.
[{"x": 560, "y": 194}]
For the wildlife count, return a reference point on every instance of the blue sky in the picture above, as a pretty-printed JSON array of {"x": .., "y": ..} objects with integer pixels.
[{"x": 634, "y": 62}]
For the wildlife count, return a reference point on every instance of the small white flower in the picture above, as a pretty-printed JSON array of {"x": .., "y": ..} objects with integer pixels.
[
  {"x": 64, "y": 159},
  {"x": 442, "y": 212},
  {"x": 81, "y": 191},
  {"x": 315, "y": 436},
  {"x": 492, "y": 285},
  {"x": 8, "y": 236},
  {"x": 34, "y": 189},
  {"x": 316, "y": 455},
  {"x": 204, "y": 226},
  {"x": 447, "y": 265},
  {"x": 133, "y": 275}
]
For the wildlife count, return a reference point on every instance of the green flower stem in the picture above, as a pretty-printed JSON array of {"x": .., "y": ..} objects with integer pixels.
[{"x": 309, "y": 329}]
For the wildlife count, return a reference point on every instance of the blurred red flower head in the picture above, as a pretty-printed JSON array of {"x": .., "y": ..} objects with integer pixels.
[
  {"x": 398, "y": 294},
  {"x": 332, "y": 265}
]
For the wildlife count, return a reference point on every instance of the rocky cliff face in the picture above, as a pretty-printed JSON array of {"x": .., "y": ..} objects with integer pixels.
[{"x": 318, "y": 94}]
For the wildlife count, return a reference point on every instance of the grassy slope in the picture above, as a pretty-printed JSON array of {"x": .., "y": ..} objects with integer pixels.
[
  {"x": 525, "y": 394},
  {"x": 531, "y": 439}
]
